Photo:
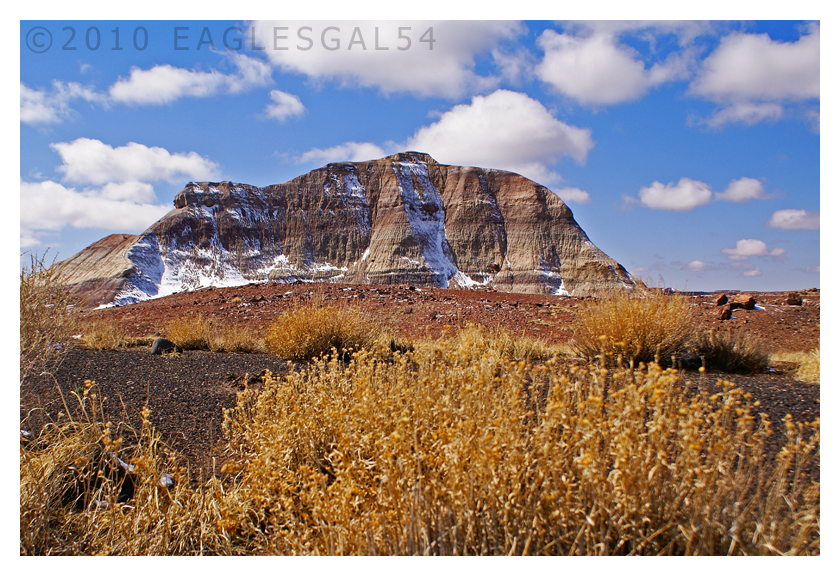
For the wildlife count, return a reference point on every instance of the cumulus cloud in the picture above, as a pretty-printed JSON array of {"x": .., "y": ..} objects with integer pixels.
[
  {"x": 746, "y": 249},
  {"x": 686, "y": 194},
  {"x": 792, "y": 219},
  {"x": 747, "y": 113},
  {"x": 85, "y": 160},
  {"x": 165, "y": 83},
  {"x": 505, "y": 130},
  {"x": 747, "y": 67},
  {"x": 52, "y": 107},
  {"x": 354, "y": 54},
  {"x": 598, "y": 70},
  {"x": 50, "y": 206},
  {"x": 743, "y": 190},
  {"x": 752, "y": 76},
  {"x": 696, "y": 266},
  {"x": 753, "y": 273},
  {"x": 575, "y": 195},
  {"x": 285, "y": 106}
]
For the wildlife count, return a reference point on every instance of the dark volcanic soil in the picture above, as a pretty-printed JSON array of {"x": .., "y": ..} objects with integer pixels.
[{"x": 187, "y": 394}]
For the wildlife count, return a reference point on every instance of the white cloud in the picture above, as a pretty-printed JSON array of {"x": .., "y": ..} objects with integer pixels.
[
  {"x": 749, "y": 67},
  {"x": 752, "y": 76},
  {"x": 285, "y": 106},
  {"x": 598, "y": 70},
  {"x": 49, "y": 206},
  {"x": 686, "y": 194},
  {"x": 165, "y": 83},
  {"x": 744, "y": 113},
  {"x": 794, "y": 220},
  {"x": 347, "y": 152},
  {"x": 696, "y": 266},
  {"x": 573, "y": 194},
  {"x": 742, "y": 190},
  {"x": 811, "y": 270},
  {"x": 447, "y": 70},
  {"x": 90, "y": 161},
  {"x": 746, "y": 249},
  {"x": 43, "y": 107},
  {"x": 505, "y": 130},
  {"x": 755, "y": 272}
]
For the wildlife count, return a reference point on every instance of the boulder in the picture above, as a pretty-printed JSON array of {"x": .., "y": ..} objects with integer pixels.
[
  {"x": 721, "y": 300},
  {"x": 164, "y": 346},
  {"x": 793, "y": 299},
  {"x": 745, "y": 301},
  {"x": 726, "y": 313}
]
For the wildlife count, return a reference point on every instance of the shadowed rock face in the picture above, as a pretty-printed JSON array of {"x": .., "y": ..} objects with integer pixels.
[{"x": 400, "y": 219}]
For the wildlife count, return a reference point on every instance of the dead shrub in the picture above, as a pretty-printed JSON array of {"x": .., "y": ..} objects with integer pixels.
[
  {"x": 733, "y": 351},
  {"x": 634, "y": 327},
  {"x": 310, "y": 331}
]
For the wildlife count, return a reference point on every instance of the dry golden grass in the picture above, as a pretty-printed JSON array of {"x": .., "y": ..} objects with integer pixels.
[
  {"x": 46, "y": 320},
  {"x": 70, "y": 463},
  {"x": 634, "y": 327},
  {"x": 808, "y": 369},
  {"x": 448, "y": 449},
  {"x": 437, "y": 453},
  {"x": 101, "y": 334},
  {"x": 731, "y": 351},
  {"x": 310, "y": 331},
  {"x": 199, "y": 333}
]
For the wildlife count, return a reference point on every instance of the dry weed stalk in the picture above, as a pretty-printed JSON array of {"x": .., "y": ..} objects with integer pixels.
[{"x": 46, "y": 319}]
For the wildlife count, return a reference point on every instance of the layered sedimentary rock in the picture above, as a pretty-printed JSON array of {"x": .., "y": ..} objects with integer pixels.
[{"x": 400, "y": 219}]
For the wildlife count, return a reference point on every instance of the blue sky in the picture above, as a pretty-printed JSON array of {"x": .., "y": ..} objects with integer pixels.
[{"x": 688, "y": 151}]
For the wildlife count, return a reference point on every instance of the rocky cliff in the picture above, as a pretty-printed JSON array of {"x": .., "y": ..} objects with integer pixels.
[{"x": 400, "y": 219}]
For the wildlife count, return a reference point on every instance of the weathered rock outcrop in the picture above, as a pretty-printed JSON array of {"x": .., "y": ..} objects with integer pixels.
[{"x": 400, "y": 219}]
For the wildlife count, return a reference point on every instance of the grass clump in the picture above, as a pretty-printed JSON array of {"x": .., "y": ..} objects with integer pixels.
[
  {"x": 199, "y": 333},
  {"x": 809, "y": 370},
  {"x": 311, "y": 331},
  {"x": 633, "y": 327},
  {"x": 807, "y": 364},
  {"x": 102, "y": 334},
  {"x": 46, "y": 319},
  {"x": 731, "y": 351}
]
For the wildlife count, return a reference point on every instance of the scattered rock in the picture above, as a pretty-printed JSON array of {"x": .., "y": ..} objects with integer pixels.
[
  {"x": 794, "y": 299},
  {"x": 164, "y": 346},
  {"x": 721, "y": 300},
  {"x": 726, "y": 313}
]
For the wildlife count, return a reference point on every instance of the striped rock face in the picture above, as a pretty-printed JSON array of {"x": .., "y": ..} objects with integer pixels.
[{"x": 400, "y": 219}]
